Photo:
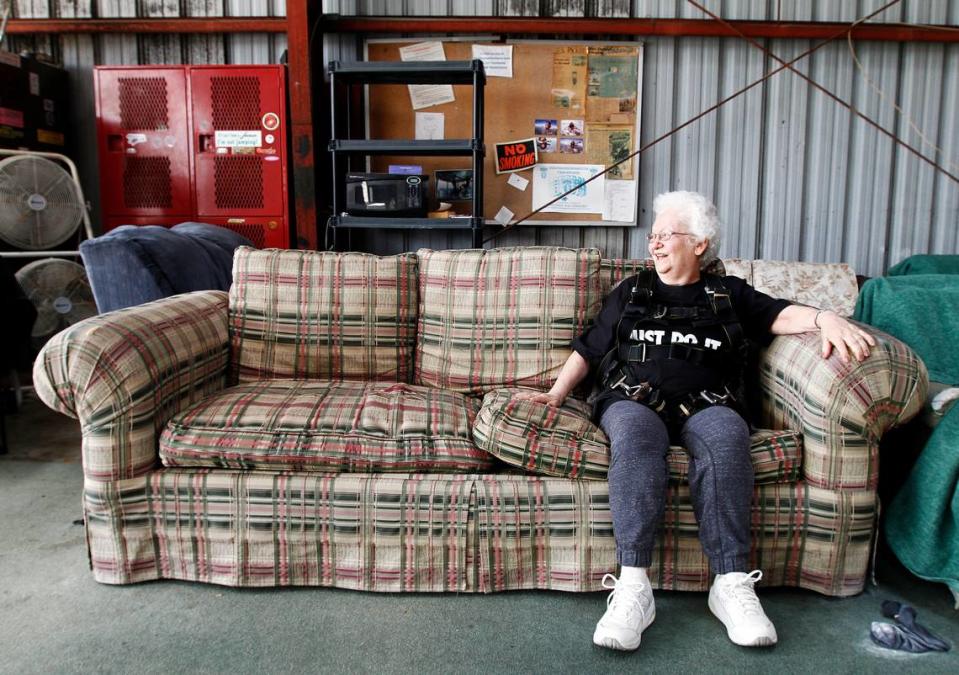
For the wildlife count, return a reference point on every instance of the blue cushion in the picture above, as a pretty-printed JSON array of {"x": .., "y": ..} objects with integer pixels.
[{"x": 133, "y": 264}]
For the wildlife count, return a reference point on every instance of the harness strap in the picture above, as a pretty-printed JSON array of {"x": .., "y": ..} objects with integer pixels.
[
  {"x": 640, "y": 299},
  {"x": 719, "y": 300},
  {"x": 616, "y": 371},
  {"x": 696, "y": 355}
]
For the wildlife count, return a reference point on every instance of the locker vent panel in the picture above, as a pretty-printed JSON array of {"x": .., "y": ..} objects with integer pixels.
[
  {"x": 238, "y": 182},
  {"x": 236, "y": 102},
  {"x": 251, "y": 231},
  {"x": 147, "y": 183},
  {"x": 143, "y": 103}
]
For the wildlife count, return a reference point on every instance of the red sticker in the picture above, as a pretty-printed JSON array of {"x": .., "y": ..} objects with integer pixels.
[{"x": 271, "y": 121}]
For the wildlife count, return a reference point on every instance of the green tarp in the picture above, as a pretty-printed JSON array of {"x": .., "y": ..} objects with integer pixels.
[
  {"x": 922, "y": 310},
  {"x": 922, "y": 522},
  {"x": 926, "y": 264}
]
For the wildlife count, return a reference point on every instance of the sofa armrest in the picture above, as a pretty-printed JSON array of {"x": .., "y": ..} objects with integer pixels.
[
  {"x": 842, "y": 409},
  {"x": 126, "y": 373}
]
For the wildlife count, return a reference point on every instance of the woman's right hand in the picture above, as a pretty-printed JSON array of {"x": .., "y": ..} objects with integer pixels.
[
  {"x": 548, "y": 397},
  {"x": 574, "y": 370}
]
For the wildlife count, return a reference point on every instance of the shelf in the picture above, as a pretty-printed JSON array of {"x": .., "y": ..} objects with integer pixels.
[
  {"x": 381, "y": 223},
  {"x": 343, "y": 78},
  {"x": 461, "y": 147},
  {"x": 409, "y": 72}
]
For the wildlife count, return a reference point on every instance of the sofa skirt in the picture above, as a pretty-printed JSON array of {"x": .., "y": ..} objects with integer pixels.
[{"x": 459, "y": 533}]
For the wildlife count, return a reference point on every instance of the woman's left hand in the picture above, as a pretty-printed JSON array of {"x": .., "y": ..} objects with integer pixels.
[{"x": 846, "y": 338}]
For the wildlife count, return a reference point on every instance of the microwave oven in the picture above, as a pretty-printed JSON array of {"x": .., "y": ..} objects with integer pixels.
[{"x": 386, "y": 194}]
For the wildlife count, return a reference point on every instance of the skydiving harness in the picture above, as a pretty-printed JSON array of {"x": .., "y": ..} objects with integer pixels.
[{"x": 617, "y": 371}]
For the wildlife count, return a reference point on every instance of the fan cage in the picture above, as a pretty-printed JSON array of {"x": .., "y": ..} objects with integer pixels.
[{"x": 40, "y": 203}]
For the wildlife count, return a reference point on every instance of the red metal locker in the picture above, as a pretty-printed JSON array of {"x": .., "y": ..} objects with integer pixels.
[
  {"x": 238, "y": 120},
  {"x": 263, "y": 232},
  {"x": 143, "y": 135}
]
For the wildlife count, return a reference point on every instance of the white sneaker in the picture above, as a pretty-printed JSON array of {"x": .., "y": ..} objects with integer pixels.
[
  {"x": 630, "y": 610},
  {"x": 733, "y": 600}
]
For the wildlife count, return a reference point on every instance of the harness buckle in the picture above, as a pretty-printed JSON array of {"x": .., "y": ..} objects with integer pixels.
[
  {"x": 694, "y": 402},
  {"x": 718, "y": 299},
  {"x": 712, "y": 398},
  {"x": 638, "y": 350},
  {"x": 636, "y": 392}
]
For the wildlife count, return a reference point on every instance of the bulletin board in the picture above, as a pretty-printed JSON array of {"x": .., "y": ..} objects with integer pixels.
[{"x": 596, "y": 86}]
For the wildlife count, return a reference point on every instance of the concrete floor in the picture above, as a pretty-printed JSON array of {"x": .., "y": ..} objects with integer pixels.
[{"x": 55, "y": 618}]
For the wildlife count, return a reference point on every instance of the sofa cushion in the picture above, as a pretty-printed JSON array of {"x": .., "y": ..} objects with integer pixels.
[
  {"x": 564, "y": 442},
  {"x": 828, "y": 286},
  {"x": 332, "y": 316},
  {"x": 502, "y": 317},
  {"x": 327, "y": 426},
  {"x": 540, "y": 438}
]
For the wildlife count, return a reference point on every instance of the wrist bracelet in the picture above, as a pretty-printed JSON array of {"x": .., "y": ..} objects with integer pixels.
[{"x": 815, "y": 320}]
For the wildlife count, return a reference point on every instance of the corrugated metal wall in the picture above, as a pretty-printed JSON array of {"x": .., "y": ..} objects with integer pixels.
[{"x": 795, "y": 175}]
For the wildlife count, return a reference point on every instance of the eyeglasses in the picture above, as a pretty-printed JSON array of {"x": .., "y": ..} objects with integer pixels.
[{"x": 666, "y": 236}]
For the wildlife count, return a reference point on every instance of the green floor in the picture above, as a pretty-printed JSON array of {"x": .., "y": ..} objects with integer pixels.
[{"x": 55, "y": 618}]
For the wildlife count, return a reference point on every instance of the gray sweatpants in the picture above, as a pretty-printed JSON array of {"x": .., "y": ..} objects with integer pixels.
[{"x": 720, "y": 480}]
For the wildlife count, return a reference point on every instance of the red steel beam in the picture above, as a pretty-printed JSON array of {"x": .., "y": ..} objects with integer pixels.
[
  {"x": 500, "y": 25},
  {"x": 636, "y": 27},
  {"x": 301, "y": 124},
  {"x": 260, "y": 24}
]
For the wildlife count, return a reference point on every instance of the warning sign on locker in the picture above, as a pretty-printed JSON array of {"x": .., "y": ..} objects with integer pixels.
[{"x": 238, "y": 139}]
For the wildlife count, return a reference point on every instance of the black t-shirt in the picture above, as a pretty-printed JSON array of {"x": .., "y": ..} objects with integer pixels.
[{"x": 676, "y": 378}]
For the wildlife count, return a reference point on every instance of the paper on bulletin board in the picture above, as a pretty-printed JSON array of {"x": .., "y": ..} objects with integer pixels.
[
  {"x": 608, "y": 144},
  {"x": 426, "y": 95},
  {"x": 552, "y": 180},
  {"x": 430, "y": 126},
  {"x": 517, "y": 182},
  {"x": 611, "y": 94},
  {"x": 497, "y": 59},
  {"x": 619, "y": 201},
  {"x": 569, "y": 78},
  {"x": 503, "y": 216}
]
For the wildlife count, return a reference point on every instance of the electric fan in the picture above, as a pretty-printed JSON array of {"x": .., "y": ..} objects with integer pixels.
[
  {"x": 40, "y": 203},
  {"x": 61, "y": 293}
]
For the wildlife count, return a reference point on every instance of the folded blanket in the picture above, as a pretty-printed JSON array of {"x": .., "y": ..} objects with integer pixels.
[
  {"x": 921, "y": 310},
  {"x": 133, "y": 264},
  {"x": 922, "y": 521}
]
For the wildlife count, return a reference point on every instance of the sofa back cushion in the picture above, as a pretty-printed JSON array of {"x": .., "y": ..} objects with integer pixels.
[
  {"x": 614, "y": 270},
  {"x": 333, "y": 316},
  {"x": 737, "y": 267},
  {"x": 502, "y": 317},
  {"x": 825, "y": 285}
]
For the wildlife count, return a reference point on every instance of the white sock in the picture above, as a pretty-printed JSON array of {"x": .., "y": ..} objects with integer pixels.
[{"x": 633, "y": 575}]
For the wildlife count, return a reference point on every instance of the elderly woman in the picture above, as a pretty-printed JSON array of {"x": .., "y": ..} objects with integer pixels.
[{"x": 668, "y": 354}]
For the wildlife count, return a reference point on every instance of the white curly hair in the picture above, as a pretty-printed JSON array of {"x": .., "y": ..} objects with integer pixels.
[{"x": 698, "y": 214}]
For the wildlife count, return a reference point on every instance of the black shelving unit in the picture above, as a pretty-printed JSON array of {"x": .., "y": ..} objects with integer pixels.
[{"x": 342, "y": 148}]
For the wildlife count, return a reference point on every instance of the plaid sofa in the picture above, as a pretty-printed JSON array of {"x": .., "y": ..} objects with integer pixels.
[{"x": 347, "y": 420}]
